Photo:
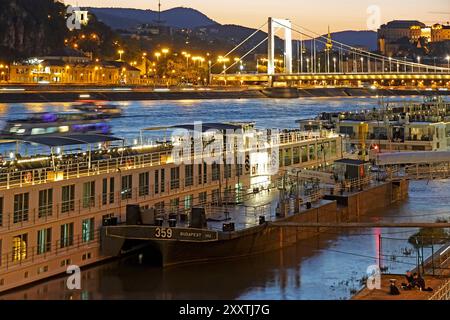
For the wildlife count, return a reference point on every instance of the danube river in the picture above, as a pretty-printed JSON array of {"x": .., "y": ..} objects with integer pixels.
[{"x": 330, "y": 266}]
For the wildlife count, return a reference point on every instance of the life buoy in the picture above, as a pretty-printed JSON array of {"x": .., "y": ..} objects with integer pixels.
[
  {"x": 28, "y": 177},
  {"x": 129, "y": 163}
]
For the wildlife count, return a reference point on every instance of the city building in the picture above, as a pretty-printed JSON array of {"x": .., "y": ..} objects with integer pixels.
[
  {"x": 71, "y": 66},
  {"x": 397, "y": 33},
  {"x": 393, "y": 31}
]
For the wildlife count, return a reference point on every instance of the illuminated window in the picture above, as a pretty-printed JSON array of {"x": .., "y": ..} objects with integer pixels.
[
  {"x": 64, "y": 129},
  {"x": 87, "y": 230},
  {"x": 44, "y": 240},
  {"x": 36, "y": 131},
  {"x": 20, "y": 247},
  {"x": 66, "y": 238}
]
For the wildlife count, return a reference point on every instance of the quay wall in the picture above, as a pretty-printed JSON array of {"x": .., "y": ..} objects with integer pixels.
[
  {"x": 266, "y": 238},
  {"x": 70, "y": 94}
]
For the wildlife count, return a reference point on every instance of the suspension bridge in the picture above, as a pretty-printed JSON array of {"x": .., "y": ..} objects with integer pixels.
[{"x": 325, "y": 62}]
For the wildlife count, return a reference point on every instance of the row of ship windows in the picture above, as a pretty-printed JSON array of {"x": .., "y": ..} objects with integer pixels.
[
  {"x": 20, "y": 243},
  {"x": 44, "y": 269},
  {"x": 22, "y": 201}
]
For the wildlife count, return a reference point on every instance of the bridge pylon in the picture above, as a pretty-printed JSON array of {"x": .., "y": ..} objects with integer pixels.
[{"x": 275, "y": 25}]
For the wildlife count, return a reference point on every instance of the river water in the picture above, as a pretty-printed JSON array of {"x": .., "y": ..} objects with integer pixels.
[{"x": 330, "y": 266}]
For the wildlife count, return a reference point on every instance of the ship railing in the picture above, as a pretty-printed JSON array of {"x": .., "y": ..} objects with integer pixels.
[
  {"x": 23, "y": 255},
  {"x": 442, "y": 293}
]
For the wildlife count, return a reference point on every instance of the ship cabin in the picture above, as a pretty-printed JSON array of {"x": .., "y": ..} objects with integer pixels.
[{"x": 397, "y": 135}]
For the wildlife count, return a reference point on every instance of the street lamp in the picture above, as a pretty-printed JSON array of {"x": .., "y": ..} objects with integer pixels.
[
  {"x": 157, "y": 55},
  {"x": 165, "y": 51},
  {"x": 121, "y": 52}
]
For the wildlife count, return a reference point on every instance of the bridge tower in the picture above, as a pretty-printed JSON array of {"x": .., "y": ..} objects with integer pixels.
[{"x": 274, "y": 26}]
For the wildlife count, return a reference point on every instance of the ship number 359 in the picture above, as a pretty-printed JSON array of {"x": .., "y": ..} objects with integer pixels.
[{"x": 164, "y": 233}]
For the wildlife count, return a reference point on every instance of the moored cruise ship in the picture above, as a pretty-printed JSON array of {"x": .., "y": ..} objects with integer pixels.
[{"x": 54, "y": 206}]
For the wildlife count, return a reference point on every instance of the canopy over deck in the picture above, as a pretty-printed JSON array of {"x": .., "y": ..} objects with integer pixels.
[
  {"x": 205, "y": 126},
  {"x": 61, "y": 141}
]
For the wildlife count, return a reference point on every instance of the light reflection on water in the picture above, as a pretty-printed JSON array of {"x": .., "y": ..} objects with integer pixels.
[{"x": 326, "y": 267}]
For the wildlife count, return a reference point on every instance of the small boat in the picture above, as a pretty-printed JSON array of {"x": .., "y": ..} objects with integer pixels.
[
  {"x": 57, "y": 123},
  {"x": 99, "y": 107}
]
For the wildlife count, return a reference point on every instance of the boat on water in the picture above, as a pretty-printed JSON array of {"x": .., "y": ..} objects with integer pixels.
[
  {"x": 100, "y": 107},
  {"x": 56, "y": 124}
]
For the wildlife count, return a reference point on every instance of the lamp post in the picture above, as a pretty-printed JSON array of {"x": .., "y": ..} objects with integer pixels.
[
  {"x": 157, "y": 55},
  {"x": 165, "y": 51},
  {"x": 120, "y": 52}
]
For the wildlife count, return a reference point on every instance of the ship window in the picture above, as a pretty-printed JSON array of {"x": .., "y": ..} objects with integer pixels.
[
  {"x": 51, "y": 130},
  {"x": 20, "y": 247},
  {"x": 200, "y": 173},
  {"x": 189, "y": 175},
  {"x": 111, "y": 190},
  {"x": 1, "y": 212},
  {"x": 174, "y": 178},
  {"x": 21, "y": 206},
  {"x": 44, "y": 240},
  {"x": 156, "y": 181},
  {"x": 215, "y": 196},
  {"x": 87, "y": 230},
  {"x": 143, "y": 184},
  {"x": 104, "y": 191},
  {"x": 188, "y": 200},
  {"x": 304, "y": 154},
  {"x": 312, "y": 152},
  {"x": 45, "y": 202},
  {"x": 36, "y": 131},
  {"x": 174, "y": 204},
  {"x": 21, "y": 131},
  {"x": 127, "y": 182},
  {"x": 89, "y": 194},
  {"x": 215, "y": 171},
  {"x": 64, "y": 129},
  {"x": 68, "y": 198},
  {"x": 66, "y": 238},
  {"x": 202, "y": 198},
  {"x": 163, "y": 180},
  {"x": 227, "y": 171},
  {"x": 296, "y": 157}
]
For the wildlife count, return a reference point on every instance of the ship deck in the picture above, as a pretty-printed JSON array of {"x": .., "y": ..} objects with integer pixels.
[{"x": 247, "y": 214}]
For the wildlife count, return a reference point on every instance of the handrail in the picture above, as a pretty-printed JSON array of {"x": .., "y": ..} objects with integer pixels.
[
  {"x": 74, "y": 168},
  {"x": 442, "y": 293}
]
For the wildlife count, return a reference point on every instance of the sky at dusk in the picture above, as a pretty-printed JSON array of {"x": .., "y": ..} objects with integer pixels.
[{"x": 315, "y": 15}]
